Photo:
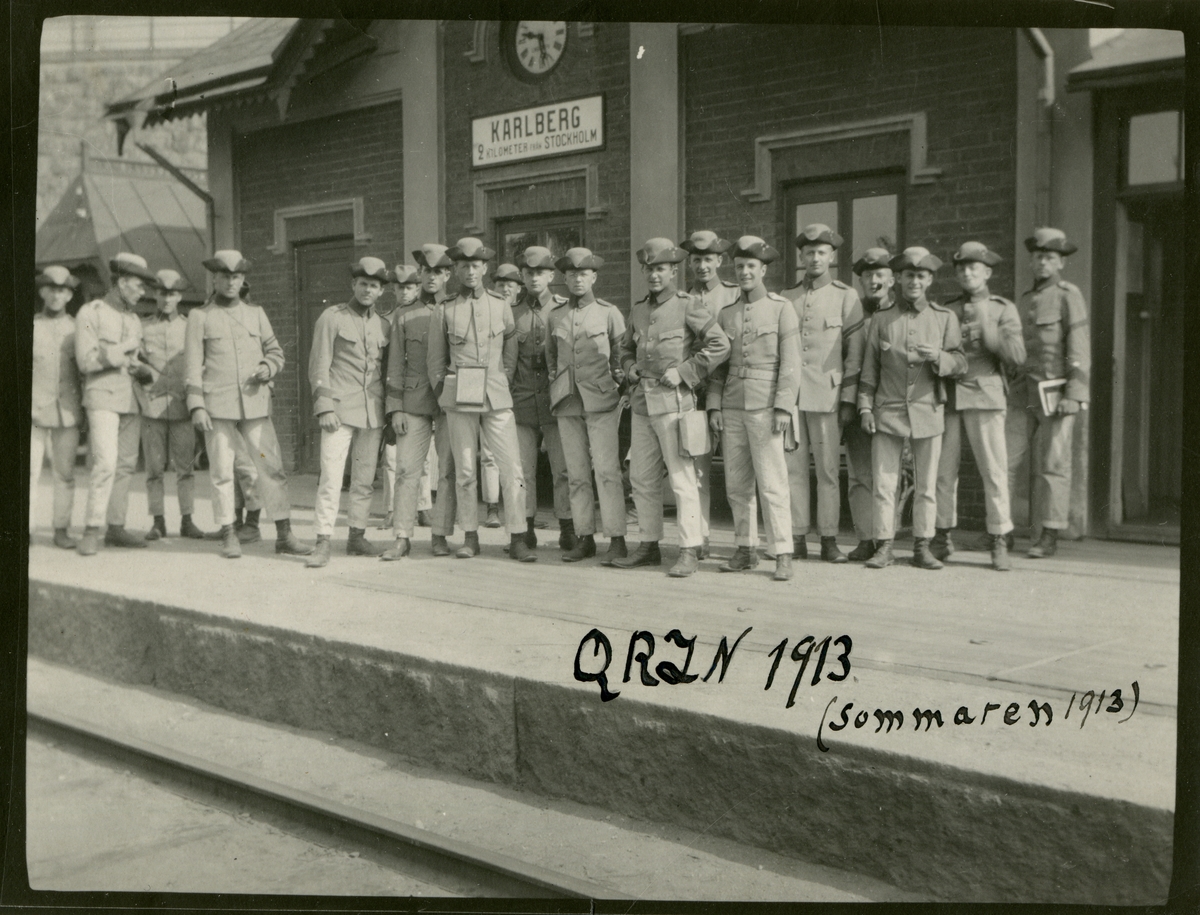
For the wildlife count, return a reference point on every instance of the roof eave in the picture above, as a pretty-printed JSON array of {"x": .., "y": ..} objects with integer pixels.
[{"x": 1154, "y": 71}]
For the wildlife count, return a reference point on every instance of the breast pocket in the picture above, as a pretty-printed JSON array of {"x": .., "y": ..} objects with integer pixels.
[
  {"x": 669, "y": 349},
  {"x": 598, "y": 341}
]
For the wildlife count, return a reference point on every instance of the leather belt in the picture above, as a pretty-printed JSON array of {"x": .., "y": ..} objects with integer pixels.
[{"x": 753, "y": 372}]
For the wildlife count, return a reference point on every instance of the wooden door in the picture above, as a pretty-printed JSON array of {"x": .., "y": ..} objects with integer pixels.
[{"x": 322, "y": 279}]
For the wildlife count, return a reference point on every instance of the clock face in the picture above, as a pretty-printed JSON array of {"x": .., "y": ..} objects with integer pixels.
[{"x": 536, "y": 47}]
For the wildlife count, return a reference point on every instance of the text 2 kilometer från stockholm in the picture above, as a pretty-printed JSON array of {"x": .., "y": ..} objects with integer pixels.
[{"x": 642, "y": 645}]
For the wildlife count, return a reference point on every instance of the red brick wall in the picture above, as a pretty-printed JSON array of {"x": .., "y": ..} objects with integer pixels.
[
  {"x": 592, "y": 65},
  {"x": 743, "y": 81},
  {"x": 357, "y": 154}
]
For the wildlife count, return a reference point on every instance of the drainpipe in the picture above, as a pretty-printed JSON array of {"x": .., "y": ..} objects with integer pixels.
[
  {"x": 192, "y": 186},
  {"x": 1045, "y": 146}
]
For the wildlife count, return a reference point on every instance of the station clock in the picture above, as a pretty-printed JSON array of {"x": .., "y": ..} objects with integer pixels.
[{"x": 533, "y": 48}]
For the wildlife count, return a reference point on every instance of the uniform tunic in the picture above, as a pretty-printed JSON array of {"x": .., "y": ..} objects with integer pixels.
[
  {"x": 859, "y": 490},
  {"x": 56, "y": 411},
  {"x": 166, "y": 427}
]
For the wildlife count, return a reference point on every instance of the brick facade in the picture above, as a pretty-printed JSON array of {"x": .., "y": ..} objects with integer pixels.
[
  {"x": 598, "y": 63},
  {"x": 743, "y": 81},
  {"x": 356, "y": 154}
]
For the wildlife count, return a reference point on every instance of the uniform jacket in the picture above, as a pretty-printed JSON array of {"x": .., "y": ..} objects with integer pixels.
[
  {"x": 716, "y": 296},
  {"x": 345, "y": 365},
  {"x": 104, "y": 329},
  {"x": 408, "y": 388},
  {"x": 764, "y": 360},
  {"x": 225, "y": 346},
  {"x": 1057, "y": 341},
  {"x": 674, "y": 332},
  {"x": 473, "y": 329},
  {"x": 163, "y": 340},
  {"x": 530, "y": 381},
  {"x": 585, "y": 339},
  {"x": 831, "y": 343},
  {"x": 897, "y": 384},
  {"x": 56, "y": 397},
  {"x": 992, "y": 343}
]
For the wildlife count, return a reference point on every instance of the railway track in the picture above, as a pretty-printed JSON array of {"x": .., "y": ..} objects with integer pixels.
[{"x": 469, "y": 869}]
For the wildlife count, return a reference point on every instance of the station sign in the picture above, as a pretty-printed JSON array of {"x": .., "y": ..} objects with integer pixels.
[{"x": 553, "y": 129}]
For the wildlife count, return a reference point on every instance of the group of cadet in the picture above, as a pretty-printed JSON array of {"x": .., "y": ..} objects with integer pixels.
[{"x": 440, "y": 381}]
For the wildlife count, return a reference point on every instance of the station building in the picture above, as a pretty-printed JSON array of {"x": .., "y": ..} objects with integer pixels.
[{"x": 332, "y": 139}]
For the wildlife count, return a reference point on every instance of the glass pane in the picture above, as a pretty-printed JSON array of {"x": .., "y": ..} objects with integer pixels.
[
  {"x": 559, "y": 240},
  {"x": 808, "y": 213},
  {"x": 873, "y": 224},
  {"x": 515, "y": 243},
  {"x": 1154, "y": 148}
]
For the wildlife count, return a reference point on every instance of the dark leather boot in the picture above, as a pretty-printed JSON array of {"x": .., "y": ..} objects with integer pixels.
[
  {"x": 566, "y": 534},
  {"x": 158, "y": 530},
  {"x": 783, "y": 568},
  {"x": 686, "y": 564},
  {"x": 702, "y": 551},
  {"x": 529, "y": 535},
  {"x": 89, "y": 543},
  {"x": 584, "y": 548},
  {"x": 116, "y": 535},
  {"x": 883, "y": 555},
  {"x": 423, "y": 519},
  {"x": 1046, "y": 546},
  {"x": 440, "y": 546},
  {"x": 923, "y": 557},
  {"x": 942, "y": 546},
  {"x": 1001, "y": 561},
  {"x": 616, "y": 550},
  {"x": 231, "y": 547},
  {"x": 470, "y": 545},
  {"x": 646, "y": 554},
  {"x": 63, "y": 540},
  {"x": 493, "y": 515},
  {"x": 743, "y": 559},
  {"x": 357, "y": 544},
  {"x": 397, "y": 550},
  {"x": 799, "y": 548},
  {"x": 285, "y": 540},
  {"x": 249, "y": 532},
  {"x": 864, "y": 551},
  {"x": 189, "y": 530},
  {"x": 518, "y": 548},
  {"x": 320, "y": 554},
  {"x": 830, "y": 551}
]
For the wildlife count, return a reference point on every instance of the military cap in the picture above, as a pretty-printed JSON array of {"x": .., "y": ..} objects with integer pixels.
[
  {"x": 170, "y": 281},
  {"x": 405, "y": 273},
  {"x": 660, "y": 251},
  {"x": 371, "y": 268},
  {"x": 873, "y": 259},
  {"x": 915, "y": 258},
  {"x": 432, "y": 256},
  {"x": 227, "y": 261},
  {"x": 579, "y": 259},
  {"x": 508, "y": 272},
  {"x": 535, "y": 257},
  {"x": 1048, "y": 239},
  {"x": 816, "y": 234},
  {"x": 126, "y": 264},
  {"x": 470, "y": 249},
  {"x": 57, "y": 276},
  {"x": 753, "y": 246},
  {"x": 705, "y": 242},
  {"x": 970, "y": 251}
]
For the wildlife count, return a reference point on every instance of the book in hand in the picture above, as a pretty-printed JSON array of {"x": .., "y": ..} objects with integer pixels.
[
  {"x": 471, "y": 388},
  {"x": 1051, "y": 394},
  {"x": 562, "y": 386}
]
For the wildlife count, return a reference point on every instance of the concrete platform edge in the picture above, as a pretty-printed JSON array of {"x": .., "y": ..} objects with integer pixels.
[{"x": 947, "y": 832}]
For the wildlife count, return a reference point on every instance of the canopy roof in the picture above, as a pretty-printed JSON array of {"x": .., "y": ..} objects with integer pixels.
[{"x": 1134, "y": 56}]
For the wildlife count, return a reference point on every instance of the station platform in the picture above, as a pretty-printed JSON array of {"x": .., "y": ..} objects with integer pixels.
[{"x": 469, "y": 667}]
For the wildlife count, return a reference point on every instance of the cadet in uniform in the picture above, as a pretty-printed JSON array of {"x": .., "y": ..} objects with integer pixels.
[
  {"x": 108, "y": 338},
  {"x": 472, "y": 351},
  {"x": 750, "y": 399},
  {"x": 166, "y": 426},
  {"x": 56, "y": 408},
  {"x": 582, "y": 351},
  {"x": 345, "y": 369},
  {"x": 991, "y": 333},
  {"x": 231, "y": 356},
  {"x": 877, "y": 280},
  {"x": 507, "y": 282},
  {"x": 912, "y": 345},
  {"x": 705, "y": 252},
  {"x": 414, "y": 414},
  {"x": 670, "y": 346},
  {"x": 1058, "y": 347},
  {"x": 530, "y": 386},
  {"x": 831, "y": 348}
]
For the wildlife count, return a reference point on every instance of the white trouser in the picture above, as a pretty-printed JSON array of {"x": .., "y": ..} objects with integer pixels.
[
  {"x": 363, "y": 446},
  {"x": 653, "y": 451},
  {"x": 499, "y": 429},
  {"x": 61, "y": 442},
  {"x": 590, "y": 441},
  {"x": 262, "y": 446},
  {"x": 113, "y": 440}
]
